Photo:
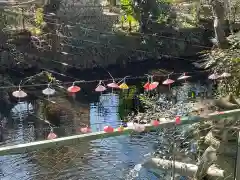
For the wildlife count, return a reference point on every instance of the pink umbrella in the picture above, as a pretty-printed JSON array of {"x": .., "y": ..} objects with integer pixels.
[
  {"x": 51, "y": 136},
  {"x": 113, "y": 85},
  {"x": 100, "y": 87},
  {"x": 168, "y": 82}
]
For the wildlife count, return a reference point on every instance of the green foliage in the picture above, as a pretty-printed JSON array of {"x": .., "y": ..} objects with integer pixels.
[
  {"x": 126, "y": 101},
  {"x": 227, "y": 61},
  {"x": 39, "y": 22},
  {"x": 128, "y": 13}
]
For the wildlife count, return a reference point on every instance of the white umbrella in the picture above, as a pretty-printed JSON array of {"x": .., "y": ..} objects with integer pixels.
[
  {"x": 48, "y": 91},
  {"x": 225, "y": 75},
  {"x": 19, "y": 94}
]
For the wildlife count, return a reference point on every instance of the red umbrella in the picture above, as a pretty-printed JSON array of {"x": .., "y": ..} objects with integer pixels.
[
  {"x": 155, "y": 122},
  {"x": 74, "y": 89},
  {"x": 177, "y": 120},
  {"x": 108, "y": 129},
  {"x": 146, "y": 86},
  {"x": 150, "y": 85},
  {"x": 153, "y": 85}
]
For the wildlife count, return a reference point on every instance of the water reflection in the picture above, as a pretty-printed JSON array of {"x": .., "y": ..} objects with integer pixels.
[{"x": 111, "y": 158}]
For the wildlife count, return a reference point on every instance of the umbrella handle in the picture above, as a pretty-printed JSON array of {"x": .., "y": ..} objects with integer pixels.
[{"x": 19, "y": 86}]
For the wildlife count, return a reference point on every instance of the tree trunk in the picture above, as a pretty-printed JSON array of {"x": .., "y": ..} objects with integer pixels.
[
  {"x": 52, "y": 22},
  {"x": 218, "y": 14}
]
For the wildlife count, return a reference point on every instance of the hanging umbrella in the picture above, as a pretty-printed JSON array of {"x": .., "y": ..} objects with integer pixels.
[
  {"x": 48, "y": 91},
  {"x": 225, "y": 75},
  {"x": 213, "y": 76},
  {"x": 19, "y": 94},
  {"x": 153, "y": 85},
  {"x": 51, "y": 135},
  {"x": 146, "y": 86},
  {"x": 74, "y": 89},
  {"x": 150, "y": 85},
  {"x": 113, "y": 85},
  {"x": 100, "y": 87},
  {"x": 168, "y": 82},
  {"x": 183, "y": 77},
  {"x": 124, "y": 85}
]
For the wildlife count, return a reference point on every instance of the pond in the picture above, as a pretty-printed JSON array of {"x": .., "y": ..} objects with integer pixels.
[{"x": 111, "y": 158}]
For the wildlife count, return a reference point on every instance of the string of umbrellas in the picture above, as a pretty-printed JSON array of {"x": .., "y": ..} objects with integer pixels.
[{"x": 101, "y": 87}]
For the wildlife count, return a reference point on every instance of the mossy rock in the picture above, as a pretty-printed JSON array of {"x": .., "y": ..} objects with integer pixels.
[{"x": 57, "y": 114}]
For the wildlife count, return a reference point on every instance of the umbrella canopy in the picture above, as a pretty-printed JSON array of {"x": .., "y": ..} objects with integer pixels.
[
  {"x": 146, "y": 86},
  {"x": 19, "y": 94},
  {"x": 113, "y": 85},
  {"x": 151, "y": 86},
  {"x": 51, "y": 136},
  {"x": 48, "y": 91},
  {"x": 100, "y": 88},
  {"x": 183, "y": 77},
  {"x": 74, "y": 89},
  {"x": 225, "y": 74},
  {"x": 123, "y": 86},
  {"x": 213, "y": 76},
  {"x": 168, "y": 81}
]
